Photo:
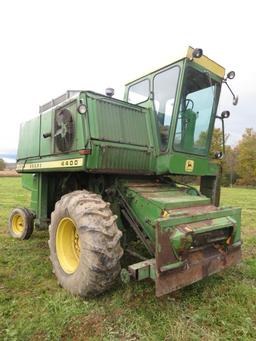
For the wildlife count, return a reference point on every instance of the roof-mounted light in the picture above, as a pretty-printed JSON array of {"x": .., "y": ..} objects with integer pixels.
[
  {"x": 110, "y": 92},
  {"x": 231, "y": 75},
  {"x": 197, "y": 53}
]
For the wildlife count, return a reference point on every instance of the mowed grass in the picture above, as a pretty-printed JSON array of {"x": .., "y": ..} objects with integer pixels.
[{"x": 34, "y": 307}]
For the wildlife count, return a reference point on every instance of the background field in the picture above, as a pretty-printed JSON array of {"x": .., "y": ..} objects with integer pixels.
[{"x": 33, "y": 307}]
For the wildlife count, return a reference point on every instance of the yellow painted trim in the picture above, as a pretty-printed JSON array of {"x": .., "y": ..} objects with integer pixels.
[
  {"x": 67, "y": 163},
  {"x": 207, "y": 63},
  {"x": 19, "y": 166}
]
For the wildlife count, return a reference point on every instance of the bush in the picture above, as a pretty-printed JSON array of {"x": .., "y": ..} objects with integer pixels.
[{"x": 2, "y": 164}]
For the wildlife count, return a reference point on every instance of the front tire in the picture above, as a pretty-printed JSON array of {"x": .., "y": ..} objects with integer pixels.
[
  {"x": 84, "y": 244},
  {"x": 21, "y": 223}
]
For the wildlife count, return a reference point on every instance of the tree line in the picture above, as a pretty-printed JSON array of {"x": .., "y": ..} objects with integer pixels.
[
  {"x": 239, "y": 162},
  {"x": 2, "y": 164}
]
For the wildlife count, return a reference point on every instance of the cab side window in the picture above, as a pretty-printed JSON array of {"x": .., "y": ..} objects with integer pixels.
[{"x": 139, "y": 92}]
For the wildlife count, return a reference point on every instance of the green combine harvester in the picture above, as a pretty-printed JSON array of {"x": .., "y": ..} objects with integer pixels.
[{"x": 102, "y": 174}]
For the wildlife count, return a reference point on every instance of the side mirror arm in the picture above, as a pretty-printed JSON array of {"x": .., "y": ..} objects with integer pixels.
[
  {"x": 223, "y": 133},
  {"x": 235, "y": 98}
]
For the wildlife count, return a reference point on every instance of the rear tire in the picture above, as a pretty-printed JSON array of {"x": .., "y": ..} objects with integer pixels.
[
  {"x": 84, "y": 244},
  {"x": 21, "y": 223}
]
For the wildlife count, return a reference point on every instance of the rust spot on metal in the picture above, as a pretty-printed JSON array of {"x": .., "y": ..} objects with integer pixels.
[
  {"x": 200, "y": 264},
  {"x": 164, "y": 252},
  {"x": 187, "y": 229},
  {"x": 194, "y": 226},
  {"x": 191, "y": 211},
  {"x": 229, "y": 240}
]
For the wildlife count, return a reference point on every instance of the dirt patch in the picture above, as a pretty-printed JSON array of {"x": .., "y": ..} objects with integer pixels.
[
  {"x": 9, "y": 173},
  {"x": 84, "y": 328},
  {"x": 40, "y": 335},
  {"x": 95, "y": 326}
]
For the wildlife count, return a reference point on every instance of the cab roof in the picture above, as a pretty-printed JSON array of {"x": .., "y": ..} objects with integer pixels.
[{"x": 203, "y": 61}]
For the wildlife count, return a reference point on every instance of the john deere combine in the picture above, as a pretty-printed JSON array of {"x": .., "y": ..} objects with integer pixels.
[{"x": 101, "y": 172}]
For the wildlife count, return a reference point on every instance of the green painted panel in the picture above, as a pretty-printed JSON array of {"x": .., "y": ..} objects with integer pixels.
[
  {"x": 169, "y": 200},
  {"x": 30, "y": 182},
  {"x": 149, "y": 200},
  {"x": 27, "y": 181},
  {"x": 116, "y": 121},
  {"x": 46, "y": 144},
  {"x": 167, "y": 197},
  {"x": 29, "y": 139},
  {"x": 120, "y": 158},
  {"x": 175, "y": 163}
]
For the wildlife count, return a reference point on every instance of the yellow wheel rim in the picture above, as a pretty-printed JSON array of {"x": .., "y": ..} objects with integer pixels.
[
  {"x": 68, "y": 245},
  {"x": 18, "y": 224}
]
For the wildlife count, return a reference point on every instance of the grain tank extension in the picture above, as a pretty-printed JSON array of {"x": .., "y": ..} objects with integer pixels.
[{"x": 103, "y": 178}]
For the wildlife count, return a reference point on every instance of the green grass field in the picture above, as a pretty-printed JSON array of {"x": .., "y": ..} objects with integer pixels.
[{"x": 34, "y": 307}]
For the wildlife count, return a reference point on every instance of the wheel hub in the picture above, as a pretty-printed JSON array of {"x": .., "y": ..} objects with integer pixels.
[
  {"x": 68, "y": 245},
  {"x": 18, "y": 224}
]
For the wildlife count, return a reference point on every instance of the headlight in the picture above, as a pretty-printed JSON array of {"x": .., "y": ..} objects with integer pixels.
[{"x": 81, "y": 109}]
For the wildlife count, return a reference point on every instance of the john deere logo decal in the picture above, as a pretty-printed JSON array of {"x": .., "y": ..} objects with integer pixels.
[{"x": 189, "y": 166}]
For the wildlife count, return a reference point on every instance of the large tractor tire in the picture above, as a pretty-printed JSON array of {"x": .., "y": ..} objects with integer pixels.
[
  {"x": 21, "y": 223},
  {"x": 84, "y": 244}
]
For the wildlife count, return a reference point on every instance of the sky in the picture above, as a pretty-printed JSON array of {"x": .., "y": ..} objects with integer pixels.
[{"x": 48, "y": 47}]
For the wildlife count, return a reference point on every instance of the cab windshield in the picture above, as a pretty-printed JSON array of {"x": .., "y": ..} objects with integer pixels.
[
  {"x": 195, "y": 119},
  {"x": 165, "y": 86}
]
